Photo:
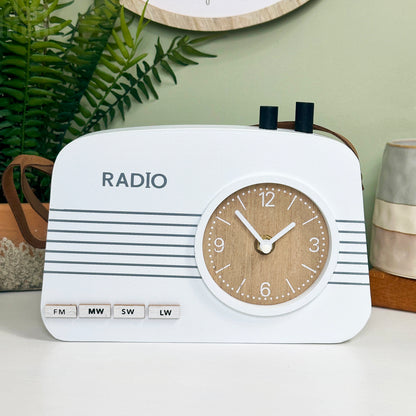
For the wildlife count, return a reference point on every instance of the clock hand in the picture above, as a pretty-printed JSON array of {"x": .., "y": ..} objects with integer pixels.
[
  {"x": 280, "y": 234},
  {"x": 249, "y": 227}
]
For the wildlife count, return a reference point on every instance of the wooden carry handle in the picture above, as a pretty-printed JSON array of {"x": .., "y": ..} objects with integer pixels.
[{"x": 24, "y": 162}]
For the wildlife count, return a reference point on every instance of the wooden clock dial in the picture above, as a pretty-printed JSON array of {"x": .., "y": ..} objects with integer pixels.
[{"x": 266, "y": 244}]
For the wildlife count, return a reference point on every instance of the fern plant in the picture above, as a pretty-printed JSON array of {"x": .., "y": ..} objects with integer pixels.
[{"x": 60, "y": 80}]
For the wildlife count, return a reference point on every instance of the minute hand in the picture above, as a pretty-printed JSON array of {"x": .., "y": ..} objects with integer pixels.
[
  {"x": 280, "y": 234},
  {"x": 249, "y": 227}
]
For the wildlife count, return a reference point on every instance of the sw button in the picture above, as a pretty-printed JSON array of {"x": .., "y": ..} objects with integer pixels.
[
  {"x": 129, "y": 311},
  {"x": 164, "y": 311}
]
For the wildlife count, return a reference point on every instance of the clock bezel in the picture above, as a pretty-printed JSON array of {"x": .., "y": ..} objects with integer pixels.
[
  {"x": 213, "y": 24},
  {"x": 305, "y": 297}
]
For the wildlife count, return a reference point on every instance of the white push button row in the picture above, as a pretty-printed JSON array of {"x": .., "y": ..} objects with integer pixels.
[
  {"x": 164, "y": 311},
  {"x": 60, "y": 311},
  {"x": 120, "y": 311},
  {"x": 128, "y": 311},
  {"x": 94, "y": 311}
]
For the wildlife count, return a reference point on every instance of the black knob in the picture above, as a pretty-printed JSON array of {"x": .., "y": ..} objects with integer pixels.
[
  {"x": 268, "y": 117},
  {"x": 304, "y": 117}
]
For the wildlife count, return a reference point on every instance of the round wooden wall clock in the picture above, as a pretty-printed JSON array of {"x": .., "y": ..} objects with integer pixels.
[{"x": 213, "y": 15}]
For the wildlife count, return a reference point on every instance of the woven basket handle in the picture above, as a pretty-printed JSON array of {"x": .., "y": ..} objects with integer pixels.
[{"x": 24, "y": 162}]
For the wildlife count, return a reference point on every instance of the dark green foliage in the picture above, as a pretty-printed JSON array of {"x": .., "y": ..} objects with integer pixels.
[{"x": 59, "y": 81}]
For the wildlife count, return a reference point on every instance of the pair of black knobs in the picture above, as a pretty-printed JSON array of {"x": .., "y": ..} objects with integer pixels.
[{"x": 303, "y": 117}]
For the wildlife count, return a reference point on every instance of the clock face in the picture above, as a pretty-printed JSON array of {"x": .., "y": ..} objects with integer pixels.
[
  {"x": 213, "y": 15},
  {"x": 266, "y": 245}
]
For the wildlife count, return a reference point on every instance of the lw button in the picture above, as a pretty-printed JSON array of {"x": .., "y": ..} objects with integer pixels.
[
  {"x": 164, "y": 311},
  {"x": 60, "y": 311}
]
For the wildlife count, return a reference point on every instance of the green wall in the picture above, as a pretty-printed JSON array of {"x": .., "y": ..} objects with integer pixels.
[{"x": 355, "y": 59}]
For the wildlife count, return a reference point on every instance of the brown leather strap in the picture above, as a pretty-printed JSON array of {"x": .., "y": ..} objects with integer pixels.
[
  {"x": 291, "y": 126},
  {"x": 24, "y": 162}
]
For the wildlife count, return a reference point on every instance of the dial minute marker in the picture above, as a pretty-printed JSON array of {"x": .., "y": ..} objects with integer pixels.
[
  {"x": 241, "y": 285},
  {"x": 241, "y": 202},
  {"x": 291, "y": 287},
  {"x": 220, "y": 270},
  {"x": 314, "y": 218},
  {"x": 220, "y": 219},
  {"x": 293, "y": 200},
  {"x": 308, "y": 268}
]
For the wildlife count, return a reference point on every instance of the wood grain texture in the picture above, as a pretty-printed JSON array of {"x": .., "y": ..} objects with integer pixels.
[
  {"x": 393, "y": 292},
  {"x": 232, "y": 254},
  {"x": 8, "y": 225},
  {"x": 213, "y": 24}
]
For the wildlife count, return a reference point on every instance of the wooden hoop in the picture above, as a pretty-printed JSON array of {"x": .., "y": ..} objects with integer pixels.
[{"x": 164, "y": 17}]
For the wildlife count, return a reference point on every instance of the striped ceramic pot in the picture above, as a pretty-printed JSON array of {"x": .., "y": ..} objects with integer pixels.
[{"x": 393, "y": 243}]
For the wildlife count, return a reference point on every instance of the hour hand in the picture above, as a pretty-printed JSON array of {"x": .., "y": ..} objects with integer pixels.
[
  {"x": 280, "y": 234},
  {"x": 249, "y": 227}
]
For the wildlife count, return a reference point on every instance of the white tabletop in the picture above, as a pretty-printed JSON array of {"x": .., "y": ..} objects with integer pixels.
[{"x": 373, "y": 374}]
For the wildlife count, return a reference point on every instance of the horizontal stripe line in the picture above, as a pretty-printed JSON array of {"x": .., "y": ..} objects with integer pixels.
[
  {"x": 124, "y": 223},
  {"x": 353, "y": 262},
  {"x": 353, "y": 252},
  {"x": 353, "y": 242},
  {"x": 351, "y": 221},
  {"x": 349, "y": 283},
  {"x": 118, "y": 254},
  {"x": 124, "y": 212},
  {"x": 352, "y": 273},
  {"x": 351, "y": 232},
  {"x": 122, "y": 274},
  {"x": 121, "y": 244},
  {"x": 93, "y": 263},
  {"x": 119, "y": 233}
]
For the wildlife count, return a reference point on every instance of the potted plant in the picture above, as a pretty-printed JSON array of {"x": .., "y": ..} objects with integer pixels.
[{"x": 60, "y": 80}]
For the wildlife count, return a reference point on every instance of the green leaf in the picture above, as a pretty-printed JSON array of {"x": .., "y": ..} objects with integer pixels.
[
  {"x": 54, "y": 30},
  {"x": 121, "y": 109},
  {"x": 135, "y": 60},
  {"x": 149, "y": 83},
  {"x": 39, "y": 101},
  {"x": 165, "y": 65},
  {"x": 115, "y": 56},
  {"x": 113, "y": 68},
  {"x": 143, "y": 89},
  {"x": 32, "y": 132},
  {"x": 125, "y": 30},
  {"x": 19, "y": 62},
  {"x": 105, "y": 76},
  {"x": 46, "y": 58},
  {"x": 84, "y": 111},
  {"x": 12, "y": 141},
  {"x": 17, "y": 49},
  {"x": 120, "y": 45},
  {"x": 194, "y": 52},
  {"x": 180, "y": 59},
  {"x": 156, "y": 74},
  {"x": 17, "y": 94},
  {"x": 136, "y": 95},
  {"x": 43, "y": 80}
]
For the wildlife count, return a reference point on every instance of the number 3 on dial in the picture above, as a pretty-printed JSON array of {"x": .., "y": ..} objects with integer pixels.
[{"x": 266, "y": 247}]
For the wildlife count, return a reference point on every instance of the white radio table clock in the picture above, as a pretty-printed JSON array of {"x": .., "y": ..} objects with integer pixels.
[{"x": 206, "y": 234}]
